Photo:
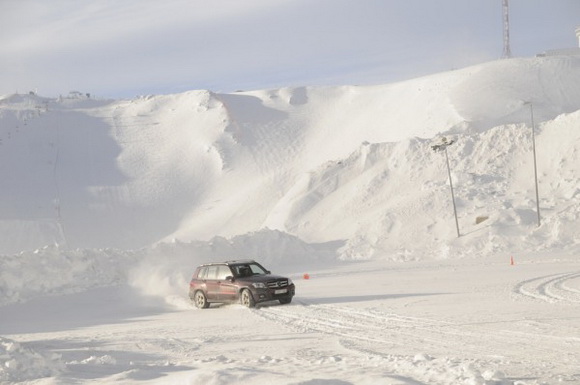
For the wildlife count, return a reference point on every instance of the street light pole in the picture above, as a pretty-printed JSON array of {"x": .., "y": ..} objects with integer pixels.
[
  {"x": 535, "y": 163},
  {"x": 452, "y": 194},
  {"x": 443, "y": 147}
]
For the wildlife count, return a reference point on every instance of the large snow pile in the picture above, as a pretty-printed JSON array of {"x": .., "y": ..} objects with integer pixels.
[{"x": 350, "y": 164}]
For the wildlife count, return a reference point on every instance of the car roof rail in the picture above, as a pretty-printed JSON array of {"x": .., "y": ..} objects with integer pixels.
[{"x": 241, "y": 261}]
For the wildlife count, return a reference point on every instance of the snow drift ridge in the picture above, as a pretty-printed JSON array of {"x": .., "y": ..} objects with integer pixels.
[{"x": 322, "y": 163}]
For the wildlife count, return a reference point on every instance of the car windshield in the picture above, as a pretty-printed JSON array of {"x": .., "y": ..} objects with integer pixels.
[{"x": 248, "y": 269}]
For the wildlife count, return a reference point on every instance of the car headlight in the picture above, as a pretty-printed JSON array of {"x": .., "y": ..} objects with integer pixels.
[{"x": 259, "y": 285}]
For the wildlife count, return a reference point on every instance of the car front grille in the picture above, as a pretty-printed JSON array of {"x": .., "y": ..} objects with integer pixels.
[{"x": 277, "y": 284}]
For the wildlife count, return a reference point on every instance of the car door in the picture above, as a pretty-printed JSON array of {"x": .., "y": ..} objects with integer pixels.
[
  {"x": 212, "y": 283},
  {"x": 227, "y": 288}
]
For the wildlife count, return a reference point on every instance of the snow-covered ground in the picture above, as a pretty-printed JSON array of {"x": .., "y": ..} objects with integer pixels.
[
  {"x": 469, "y": 321},
  {"x": 108, "y": 205}
]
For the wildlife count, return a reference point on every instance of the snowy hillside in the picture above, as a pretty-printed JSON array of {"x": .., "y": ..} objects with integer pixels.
[
  {"x": 324, "y": 164},
  {"x": 108, "y": 205}
]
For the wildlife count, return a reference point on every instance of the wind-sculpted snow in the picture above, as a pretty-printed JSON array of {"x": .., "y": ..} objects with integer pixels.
[{"x": 324, "y": 164}]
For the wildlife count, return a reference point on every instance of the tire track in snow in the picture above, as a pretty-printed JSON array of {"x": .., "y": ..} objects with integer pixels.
[
  {"x": 382, "y": 331},
  {"x": 550, "y": 288},
  {"x": 407, "y": 345},
  {"x": 402, "y": 345}
]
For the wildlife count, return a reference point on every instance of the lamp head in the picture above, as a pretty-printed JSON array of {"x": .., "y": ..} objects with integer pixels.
[{"x": 443, "y": 144}]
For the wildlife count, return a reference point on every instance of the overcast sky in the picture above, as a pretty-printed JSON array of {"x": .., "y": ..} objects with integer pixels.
[{"x": 124, "y": 48}]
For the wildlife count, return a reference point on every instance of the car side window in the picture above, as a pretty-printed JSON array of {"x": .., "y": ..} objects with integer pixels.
[
  {"x": 212, "y": 272},
  {"x": 202, "y": 273},
  {"x": 242, "y": 271},
  {"x": 223, "y": 272},
  {"x": 257, "y": 269}
]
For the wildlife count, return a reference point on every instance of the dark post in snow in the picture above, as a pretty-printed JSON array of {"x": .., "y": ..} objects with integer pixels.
[
  {"x": 443, "y": 147},
  {"x": 535, "y": 164}
]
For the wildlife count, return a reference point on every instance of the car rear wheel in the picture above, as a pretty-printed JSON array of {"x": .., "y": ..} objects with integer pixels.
[
  {"x": 247, "y": 299},
  {"x": 200, "y": 300}
]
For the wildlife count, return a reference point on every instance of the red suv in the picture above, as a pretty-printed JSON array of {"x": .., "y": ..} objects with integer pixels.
[{"x": 246, "y": 282}]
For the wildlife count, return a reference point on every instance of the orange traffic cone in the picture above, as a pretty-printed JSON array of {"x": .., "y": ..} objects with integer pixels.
[{"x": 306, "y": 276}]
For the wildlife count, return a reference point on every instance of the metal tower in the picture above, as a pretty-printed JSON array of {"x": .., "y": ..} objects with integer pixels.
[{"x": 507, "y": 53}]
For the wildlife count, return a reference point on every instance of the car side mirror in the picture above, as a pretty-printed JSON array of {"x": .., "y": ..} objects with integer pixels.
[
  {"x": 230, "y": 278},
  {"x": 268, "y": 272}
]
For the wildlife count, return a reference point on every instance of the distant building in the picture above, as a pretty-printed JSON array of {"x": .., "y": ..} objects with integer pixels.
[
  {"x": 78, "y": 95},
  {"x": 564, "y": 51}
]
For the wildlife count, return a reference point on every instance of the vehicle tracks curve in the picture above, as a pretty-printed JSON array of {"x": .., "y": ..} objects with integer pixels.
[{"x": 556, "y": 288}]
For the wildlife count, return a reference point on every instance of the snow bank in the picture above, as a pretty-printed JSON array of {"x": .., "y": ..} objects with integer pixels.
[
  {"x": 163, "y": 270},
  {"x": 18, "y": 363},
  {"x": 54, "y": 271}
]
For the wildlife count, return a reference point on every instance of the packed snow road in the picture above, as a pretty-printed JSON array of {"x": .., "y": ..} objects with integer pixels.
[{"x": 437, "y": 322}]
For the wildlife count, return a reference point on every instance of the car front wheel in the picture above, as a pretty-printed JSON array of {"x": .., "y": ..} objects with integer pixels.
[
  {"x": 200, "y": 300},
  {"x": 247, "y": 299}
]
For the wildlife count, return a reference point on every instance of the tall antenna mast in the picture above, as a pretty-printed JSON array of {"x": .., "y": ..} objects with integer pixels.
[{"x": 507, "y": 53}]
